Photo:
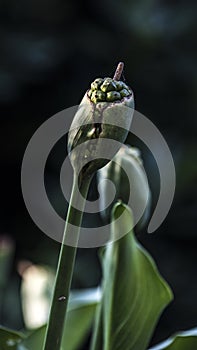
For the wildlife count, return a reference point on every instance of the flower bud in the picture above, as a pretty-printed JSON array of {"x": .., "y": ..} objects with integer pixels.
[
  {"x": 127, "y": 174},
  {"x": 105, "y": 112}
]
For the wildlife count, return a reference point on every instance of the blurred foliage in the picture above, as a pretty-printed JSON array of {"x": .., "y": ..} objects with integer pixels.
[
  {"x": 182, "y": 341},
  {"x": 79, "y": 319},
  {"x": 118, "y": 323},
  {"x": 133, "y": 292},
  {"x": 50, "y": 52}
]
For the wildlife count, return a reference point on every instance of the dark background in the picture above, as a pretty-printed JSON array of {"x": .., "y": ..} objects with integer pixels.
[{"x": 50, "y": 52}]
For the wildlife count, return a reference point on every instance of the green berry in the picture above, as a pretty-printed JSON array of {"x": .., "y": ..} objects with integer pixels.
[
  {"x": 124, "y": 93},
  {"x": 107, "y": 79},
  {"x": 113, "y": 96},
  {"x": 96, "y": 84},
  {"x": 97, "y": 96},
  {"x": 108, "y": 85},
  {"x": 124, "y": 86},
  {"x": 118, "y": 85}
]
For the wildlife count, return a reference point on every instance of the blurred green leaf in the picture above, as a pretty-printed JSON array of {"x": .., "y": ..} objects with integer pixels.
[
  {"x": 34, "y": 341},
  {"x": 79, "y": 320},
  {"x": 78, "y": 324},
  {"x": 181, "y": 341},
  {"x": 9, "y": 339},
  {"x": 134, "y": 293}
]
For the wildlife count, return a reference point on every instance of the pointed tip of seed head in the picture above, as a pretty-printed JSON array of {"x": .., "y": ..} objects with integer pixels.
[{"x": 119, "y": 71}]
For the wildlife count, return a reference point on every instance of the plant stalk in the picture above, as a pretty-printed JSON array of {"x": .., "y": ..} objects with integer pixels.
[{"x": 65, "y": 267}]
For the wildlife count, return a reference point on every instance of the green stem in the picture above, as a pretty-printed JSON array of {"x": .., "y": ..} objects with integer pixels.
[{"x": 65, "y": 266}]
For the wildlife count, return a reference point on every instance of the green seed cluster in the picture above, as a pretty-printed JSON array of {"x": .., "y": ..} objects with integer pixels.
[{"x": 108, "y": 90}]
